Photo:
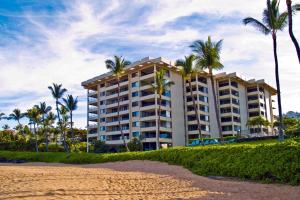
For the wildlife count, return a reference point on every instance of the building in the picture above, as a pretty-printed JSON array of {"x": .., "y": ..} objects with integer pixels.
[{"x": 238, "y": 100}]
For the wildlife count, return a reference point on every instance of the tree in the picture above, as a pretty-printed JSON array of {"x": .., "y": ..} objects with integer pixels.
[
  {"x": 187, "y": 71},
  {"x": 64, "y": 125},
  {"x": 208, "y": 58},
  {"x": 117, "y": 67},
  {"x": 5, "y": 127},
  {"x": 135, "y": 144},
  {"x": 2, "y": 116},
  {"x": 71, "y": 105},
  {"x": 258, "y": 121},
  {"x": 160, "y": 86},
  {"x": 57, "y": 93},
  {"x": 34, "y": 116},
  {"x": 44, "y": 110},
  {"x": 16, "y": 115},
  {"x": 291, "y": 9},
  {"x": 273, "y": 21}
]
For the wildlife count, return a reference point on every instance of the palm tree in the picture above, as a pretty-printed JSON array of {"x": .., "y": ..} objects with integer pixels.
[
  {"x": 291, "y": 9},
  {"x": 273, "y": 21},
  {"x": 187, "y": 71},
  {"x": 71, "y": 105},
  {"x": 57, "y": 93},
  {"x": 258, "y": 121},
  {"x": 208, "y": 58},
  {"x": 5, "y": 127},
  {"x": 117, "y": 67},
  {"x": 44, "y": 109},
  {"x": 48, "y": 122},
  {"x": 35, "y": 117},
  {"x": 160, "y": 86},
  {"x": 2, "y": 116},
  {"x": 64, "y": 124},
  {"x": 16, "y": 115}
]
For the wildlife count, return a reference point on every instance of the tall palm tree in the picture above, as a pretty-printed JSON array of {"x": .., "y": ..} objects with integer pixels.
[
  {"x": 273, "y": 21},
  {"x": 117, "y": 67},
  {"x": 160, "y": 86},
  {"x": 57, "y": 93},
  {"x": 187, "y": 71},
  {"x": 71, "y": 105},
  {"x": 16, "y": 115},
  {"x": 44, "y": 109},
  {"x": 291, "y": 9},
  {"x": 208, "y": 58},
  {"x": 34, "y": 116},
  {"x": 48, "y": 122}
]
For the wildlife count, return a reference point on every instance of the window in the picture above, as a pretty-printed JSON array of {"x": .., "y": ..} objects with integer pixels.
[
  {"x": 202, "y": 80},
  {"x": 103, "y": 137},
  {"x": 223, "y": 83},
  {"x": 226, "y": 119},
  {"x": 235, "y": 93},
  {"x": 236, "y": 110},
  {"x": 135, "y": 94},
  {"x": 237, "y": 128},
  {"x": 253, "y": 114},
  {"x": 102, "y": 94},
  {"x": 135, "y": 103},
  {"x": 167, "y": 93},
  {"x": 254, "y": 89},
  {"x": 223, "y": 92},
  {"x": 135, "y": 114},
  {"x": 204, "y": 128},
  {"x": 135, "y": 84},
  {"x": 236, "y": 119},
  {"x": 254, "y": 97},
  {"x": 168, "y": 114},
  {"x": 235, "y": 101},
  {"x": 234, "y": 84},
  {"x": 227, "y": 128},
  {"x": 191, "y": 117},
  {"x": 102, "y": 111},
  {"x": 252, "y": 106},
  {"x": 135, "y": 124},
  {"x": 102, "y": 119},
  {"x": 102, "y": 85},
  {"x": 101, "y": 102},
  {"x": 224, "y": 101},
  {"x": 204, "y": 118},
  {"x": 225, "y": 110},
  {"x": 204, "y": 108},
  {"x": 203, "y": 89},
  {"x": 134, "y": 75},
  {"x": 203, "y": 98},
  {"x": 136, "y": 134},
  {"x": 102, "y": 128}
]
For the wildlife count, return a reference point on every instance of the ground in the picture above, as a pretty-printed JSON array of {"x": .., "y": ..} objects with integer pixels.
[{"x": 127, "y": 180}]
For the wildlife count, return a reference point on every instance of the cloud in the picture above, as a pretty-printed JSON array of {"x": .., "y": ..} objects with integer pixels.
[{"x": 67, "y": 42}]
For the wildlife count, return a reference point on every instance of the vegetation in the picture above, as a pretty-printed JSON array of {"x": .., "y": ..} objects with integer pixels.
[
  {"x": 273, "y": 21},
  {"x": 208, "y": 58},
  {"x": 160, "y": 86},
  {"x": 187, "y": 71},
  {"x": 273, "y": 162},
  {"x": 258, "y": 122},
  {"x": 291, "y": 9},
  {"x": 117, "y": 67}
]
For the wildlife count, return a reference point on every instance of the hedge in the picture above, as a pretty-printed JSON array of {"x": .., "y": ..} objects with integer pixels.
[{"x": 275, "y": 162}]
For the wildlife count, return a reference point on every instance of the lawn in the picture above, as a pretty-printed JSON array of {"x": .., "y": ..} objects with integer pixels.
[{"x": 266, "y": 161}]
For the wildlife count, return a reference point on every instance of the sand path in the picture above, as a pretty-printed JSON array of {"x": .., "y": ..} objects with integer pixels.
[{"x": 127, "y": 180}]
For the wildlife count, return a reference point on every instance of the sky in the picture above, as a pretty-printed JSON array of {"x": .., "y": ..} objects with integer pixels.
[{"x": 67, "y": 42}]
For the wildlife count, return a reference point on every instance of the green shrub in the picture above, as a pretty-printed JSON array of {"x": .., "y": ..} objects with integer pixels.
[
  {"x": 268, "y": 162},
  {"x": 52, "y": 147},
  {"x": 135, "y": 144}
]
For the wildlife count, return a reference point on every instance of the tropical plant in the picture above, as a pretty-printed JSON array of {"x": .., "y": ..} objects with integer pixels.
[
  {"x": 5, "y": 127},
  {"x": 16, "y": 115},
  {"x": 34, "y": 116},
  {"x": 273, "y": 21},
  {"x": 44, "y": 110},
  {"x": 258, "y": 121},
  {"x": 2, "y": 116},
  {"x": 187, "y": 71},
  {"x": 160, "y": 86},
  {"x": 64, "y": 125},
  {"x": 71, "y": 105},
  {"x": 291, "y": 9},
  {"x": 57, "y": 93},
  {"x": 117, "y": 67},
  {"x": 208, "y": 58}
]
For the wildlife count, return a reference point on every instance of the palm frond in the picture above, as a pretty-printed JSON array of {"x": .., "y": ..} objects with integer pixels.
[{"x": 256, "y": 24}]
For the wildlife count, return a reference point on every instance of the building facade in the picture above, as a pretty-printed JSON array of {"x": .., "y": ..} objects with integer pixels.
[{"x": 238, "y": 100}]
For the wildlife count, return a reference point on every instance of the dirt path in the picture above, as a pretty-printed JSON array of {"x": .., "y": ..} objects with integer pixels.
[{"x": 126, "y": 180}]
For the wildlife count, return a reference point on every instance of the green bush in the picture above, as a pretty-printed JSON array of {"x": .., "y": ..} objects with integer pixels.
[
  {"x": 135, "y": 145},
  {"x": 52, "y": 147},
  {"x": 268, "y": 162}
]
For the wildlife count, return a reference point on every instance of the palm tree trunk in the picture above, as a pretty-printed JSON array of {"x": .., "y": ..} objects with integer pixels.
[
  {"x": 280, "y": 136},
  {"x": 35, "y": 136},
  {"x": 45, "y": 133},
  {"x": 196, "y": 110},
  {"x": 119, "y": 118},
  {"x": 61, "y": 129},
  {"x": 290, "y": 22},
  {"x": 72, "y": 132},
  {"x": 158, "y": 123},
  {"x": 215, "y": 104}
]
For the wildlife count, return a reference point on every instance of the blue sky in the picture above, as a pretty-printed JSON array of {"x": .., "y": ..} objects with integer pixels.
[{"x": 66, "y": 42}]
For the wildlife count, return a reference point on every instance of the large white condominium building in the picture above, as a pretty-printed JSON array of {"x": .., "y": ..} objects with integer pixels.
[{"x": 238, "y": 100}]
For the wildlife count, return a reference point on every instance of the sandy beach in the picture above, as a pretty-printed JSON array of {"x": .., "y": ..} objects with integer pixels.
[{"x": 127, "y": 180}]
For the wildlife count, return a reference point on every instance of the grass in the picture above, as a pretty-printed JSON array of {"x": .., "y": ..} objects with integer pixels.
[{"x": 266, "y": 161}]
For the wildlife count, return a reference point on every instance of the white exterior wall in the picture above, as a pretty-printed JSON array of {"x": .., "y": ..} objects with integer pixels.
[
  {"x": 243, "y": 106},
  {"x": 212, "y": 111}
]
